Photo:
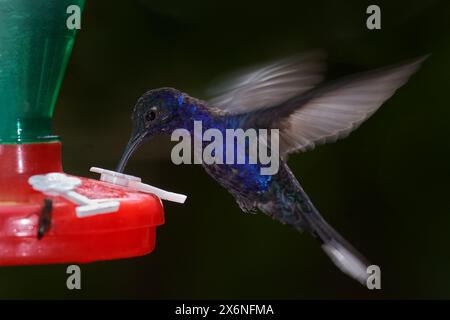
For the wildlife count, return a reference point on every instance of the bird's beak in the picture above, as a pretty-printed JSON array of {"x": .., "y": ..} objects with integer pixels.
[{"x": 134, "y": 142}]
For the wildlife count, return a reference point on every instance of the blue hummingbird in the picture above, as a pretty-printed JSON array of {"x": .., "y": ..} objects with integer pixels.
[{"x": 287, "y": 95}]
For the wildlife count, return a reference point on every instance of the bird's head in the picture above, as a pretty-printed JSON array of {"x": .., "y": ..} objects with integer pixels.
[{"x": 155, "y": 112}]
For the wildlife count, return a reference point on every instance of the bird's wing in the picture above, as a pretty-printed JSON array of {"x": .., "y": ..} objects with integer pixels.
[
  {"x": 331, "y": 112},
  {"x": 268, "y": 85}
]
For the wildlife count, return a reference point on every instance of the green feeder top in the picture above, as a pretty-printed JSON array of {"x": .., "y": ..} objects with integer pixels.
[{"x": 35, "y": 45}]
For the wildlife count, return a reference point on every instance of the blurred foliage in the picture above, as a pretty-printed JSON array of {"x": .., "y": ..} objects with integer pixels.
[{"x": 384, "y": 188}]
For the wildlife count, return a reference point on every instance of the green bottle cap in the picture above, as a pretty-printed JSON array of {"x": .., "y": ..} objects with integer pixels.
[{"x": 35, "y": 45}]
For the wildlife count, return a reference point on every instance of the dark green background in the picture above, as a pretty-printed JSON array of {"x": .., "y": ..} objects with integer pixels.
[{"x": 385, "y": 188}]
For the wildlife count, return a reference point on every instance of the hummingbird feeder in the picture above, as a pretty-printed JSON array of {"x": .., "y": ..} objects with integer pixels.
[{"x": 90, "y": 219}]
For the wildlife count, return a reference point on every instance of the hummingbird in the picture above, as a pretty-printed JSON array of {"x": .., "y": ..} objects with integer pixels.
[{"x": 289, "y": 95}]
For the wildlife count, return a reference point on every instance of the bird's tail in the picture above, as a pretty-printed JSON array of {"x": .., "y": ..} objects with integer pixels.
[{"x": 340, "y": 251}]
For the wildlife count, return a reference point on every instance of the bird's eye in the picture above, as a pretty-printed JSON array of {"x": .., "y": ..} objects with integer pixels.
[{"x": 150, "y": 116}]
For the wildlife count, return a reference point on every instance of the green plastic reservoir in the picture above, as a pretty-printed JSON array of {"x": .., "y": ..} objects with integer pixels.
[{"x": 35, "y": 45}]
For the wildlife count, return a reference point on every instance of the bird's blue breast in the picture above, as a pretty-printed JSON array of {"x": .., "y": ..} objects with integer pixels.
[{"x": 246, "y": 176}]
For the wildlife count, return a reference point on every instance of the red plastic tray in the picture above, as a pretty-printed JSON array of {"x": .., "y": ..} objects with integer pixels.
[{"x": 129, "y": 232}]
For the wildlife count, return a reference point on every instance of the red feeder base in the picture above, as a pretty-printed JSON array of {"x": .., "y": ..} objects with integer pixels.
[{"x": 129, "y": 232}]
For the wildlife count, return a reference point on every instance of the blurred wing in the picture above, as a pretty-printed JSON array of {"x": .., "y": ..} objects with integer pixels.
[
  {"x": 332, "y": 112},
  {"x": 268, "y": 85}
]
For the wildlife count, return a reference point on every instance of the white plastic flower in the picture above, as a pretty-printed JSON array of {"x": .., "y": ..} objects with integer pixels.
[{"x": 54, "y": 183}]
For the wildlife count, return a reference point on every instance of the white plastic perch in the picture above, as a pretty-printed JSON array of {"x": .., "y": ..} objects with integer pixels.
[{"x": 135, "y": 183}]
